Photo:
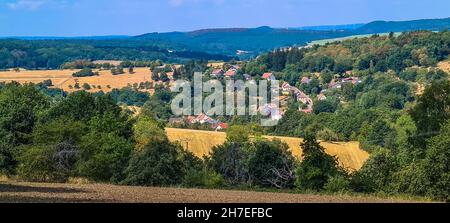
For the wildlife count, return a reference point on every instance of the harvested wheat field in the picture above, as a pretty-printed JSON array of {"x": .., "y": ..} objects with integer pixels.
[
  {"x": 201, "y": 142},
  {"x": 63, "y": 78},
  {"x": 15, "y": 192}
]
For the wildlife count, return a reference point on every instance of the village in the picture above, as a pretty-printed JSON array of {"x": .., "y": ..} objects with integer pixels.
[{"x": 275, "y": 112}]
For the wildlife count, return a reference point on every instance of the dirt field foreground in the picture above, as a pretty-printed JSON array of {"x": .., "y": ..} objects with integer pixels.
[{"x": 18, "y": 192}]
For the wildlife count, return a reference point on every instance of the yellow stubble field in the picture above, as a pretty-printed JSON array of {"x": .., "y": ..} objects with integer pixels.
[
  {"x": 201, "y": 142},
  {"x": 63, "y": 78}
]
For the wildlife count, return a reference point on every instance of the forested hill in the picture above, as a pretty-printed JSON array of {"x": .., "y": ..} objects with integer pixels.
[
  {"x": 255, "y": 40},
  {"x": 414, "y": 25},
  {"x": 51, "y": 54}
]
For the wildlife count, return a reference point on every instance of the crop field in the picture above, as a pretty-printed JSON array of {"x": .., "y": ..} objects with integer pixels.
[
  {"x": 201, "y": 142},
  {"x": 63, "y": 78},
  {"x": 445, "y": 66},
  {"x": 325, "y": 41},
  {"x": 15, "y": 192}
]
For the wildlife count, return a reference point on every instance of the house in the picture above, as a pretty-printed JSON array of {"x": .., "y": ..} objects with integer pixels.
[
  {"x": 230, "y": 73},
  {"x": 353, "y": 80},
  {"x": 247, "y": 77},
  {"x": 285, "y": 89},
  {"x": 271, "y": 110},
  {"x": 285, "y": 86},
  {"x": 268, "y": 76},
  {"x": 305, "y": 80},
  {"x": 235, "y": 67},
  {"x": 321, "y": 97},
  {"x": 221, "y": 126},
  {"x": 335, "y": 85},
  {"x": 217, "y": 73},
  {"x": 191, "y": 119}
]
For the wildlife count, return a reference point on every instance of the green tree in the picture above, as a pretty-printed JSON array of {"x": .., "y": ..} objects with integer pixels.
[
  {"x": 103, "y": 157},
  {"x": 432, "y": 109},
  {"x": 20, "y": 107},
  {"x": 437, "y": 165},
  {"x": 316, "y": 167},
  {"x": 271, "y": 164},
  {"x": 230, "y": 161},
  {"x": 376, "y": 173},
  {"x": 157, "y": 164}
]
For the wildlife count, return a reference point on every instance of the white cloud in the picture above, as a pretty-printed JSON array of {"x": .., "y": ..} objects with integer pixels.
[
  {"x": 32, "y": 5},
  {"x": 26, "y": 4}
]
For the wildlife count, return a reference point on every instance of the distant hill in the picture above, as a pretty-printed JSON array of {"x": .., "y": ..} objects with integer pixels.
[
  {"x": 225, "y": 43},
  {"x": 228, "y": 41},
  {"x": 403, "y": 26},
  {"x": 256, "y": 40},
  {"x": 67, "y": 38}
]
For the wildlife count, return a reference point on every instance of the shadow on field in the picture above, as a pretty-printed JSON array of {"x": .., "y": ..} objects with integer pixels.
[{"x": 22, "y": 188}]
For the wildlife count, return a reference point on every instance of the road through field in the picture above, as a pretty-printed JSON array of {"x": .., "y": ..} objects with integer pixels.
[{"x": 14, "y": 192}]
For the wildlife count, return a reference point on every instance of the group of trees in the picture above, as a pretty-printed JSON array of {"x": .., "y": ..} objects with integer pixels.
[
  {"x": 83, "y": 135},
  {"x": 378, "y": 53},
  {"x": 85, "y": 72}
]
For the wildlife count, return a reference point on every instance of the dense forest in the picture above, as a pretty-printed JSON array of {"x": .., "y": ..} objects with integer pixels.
[
  {"x": 52, "y": 54},
  {"x": 48, "y": 135}
]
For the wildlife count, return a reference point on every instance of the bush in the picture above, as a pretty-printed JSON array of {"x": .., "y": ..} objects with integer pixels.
[
  {"x": 271, "y": 164},
  {"x": 86, "y": 86},
  {"x": 203, "y": 179},
  {"x": 38, "y": 163},
  {"x": 229, "y": 160},
  {"x": 327, "y": 135},
  {"x": 157, "y": 164},
  {"x": 437, "y": 165},
  {"x": 117, "y": 71},
  {"x": 317, "y": 167},
  {"x": 103, "y": 157},
  {"x": 337, "y": 184},
  {"x": 85, "y": 73},
  {"x": 376, "y": 173}
]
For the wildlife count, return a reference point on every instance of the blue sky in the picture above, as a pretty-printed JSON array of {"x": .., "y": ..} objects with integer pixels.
[{"x": 133, "y": 17}]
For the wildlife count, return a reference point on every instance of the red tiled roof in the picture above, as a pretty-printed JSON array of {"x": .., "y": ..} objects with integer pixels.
[
  {"x": 217, "y": 71},
  {"x": 267, "y": 75},
  {"x": 223, "y": 125},
  {"x": 230, "y": 73}
]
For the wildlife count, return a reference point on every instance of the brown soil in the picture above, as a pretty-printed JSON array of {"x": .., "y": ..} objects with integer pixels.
[{"x": 18, "y": 192}]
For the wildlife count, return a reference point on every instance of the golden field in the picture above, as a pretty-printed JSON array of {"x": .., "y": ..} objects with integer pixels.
[
  {"x": 445, "y": 66},
  {"x": 63, "y": 78},
  {"x": 201, "y": 142}
]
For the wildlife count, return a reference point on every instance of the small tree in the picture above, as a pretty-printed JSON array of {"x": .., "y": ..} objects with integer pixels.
[
  {"x": 316, "y": 167},
  {"x": 271, "y": 164},
  {"x": 86, "y": 86},
  {"x": 156, "y": 165},
  {"x": 155, "y": 76},
  {"x": 164, "y": 77}
]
